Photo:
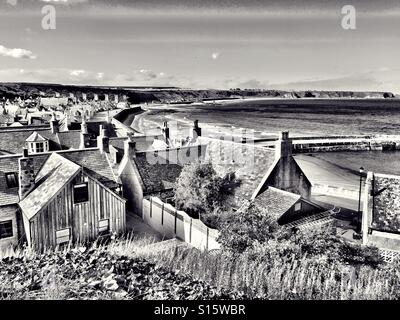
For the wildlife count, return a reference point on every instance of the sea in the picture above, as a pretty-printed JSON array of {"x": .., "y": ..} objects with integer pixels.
[{"x": 309, "y": 117}]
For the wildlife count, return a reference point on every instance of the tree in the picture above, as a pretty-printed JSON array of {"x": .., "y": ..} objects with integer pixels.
[
  {"x": 247, "y": 226},
  {"x": 200, "y": 190}
]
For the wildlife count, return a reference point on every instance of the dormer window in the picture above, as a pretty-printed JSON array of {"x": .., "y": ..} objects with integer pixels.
[{"x": 37, "y": 143}]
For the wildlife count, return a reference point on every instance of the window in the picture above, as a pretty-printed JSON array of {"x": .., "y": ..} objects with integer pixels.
[
  {"x": 6, "y": 230},
  {"x": 81, "y": 193},
  {"x": 63, "y": 236},
  {"x": 39, "y": 147},
  {"x": 12, "y": 179},
  {"x": 104, "y": 227},
  {"x": 297, "y": 206}
]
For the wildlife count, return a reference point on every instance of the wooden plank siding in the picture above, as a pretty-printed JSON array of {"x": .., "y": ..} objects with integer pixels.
[{"x": 82, "y": 218}]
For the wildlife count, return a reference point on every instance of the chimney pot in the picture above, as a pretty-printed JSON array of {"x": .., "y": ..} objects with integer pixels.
[
  {"x": 130, "y": 148},
  {"x": 54, "y": 125},
  {"x": 195, "y": 132},
  {"x": 284, "y": 135},
  {"x": 283, "y": 146}
]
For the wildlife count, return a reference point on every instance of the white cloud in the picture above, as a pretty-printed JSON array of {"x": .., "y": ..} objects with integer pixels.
[
  {"x": 16, "y": 53},
  {"x": 77, "y": 73},
  {"x": 215, "y": 55}
]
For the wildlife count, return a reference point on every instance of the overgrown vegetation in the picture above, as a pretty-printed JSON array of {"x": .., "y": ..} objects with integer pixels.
[
  {"x": 287, "y": 277},
  {"x": 140, "y": 269},
  {"x": 99, "y": 272},
  {"x": 251, "y": 231},
  {"x": 202, "y": 193}
]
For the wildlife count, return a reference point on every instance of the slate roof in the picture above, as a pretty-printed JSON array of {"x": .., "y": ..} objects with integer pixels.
[
  {"x": 94, "y": 163},
  {"x": 91, "y": 160},
  {"x": 8, "y": 211},
  {"x": 53, "y": 101},
  {"x": 249, "y": 163},
  {"x": 94, "y": 128},
  {"x": 156, "y": 177},
  {"x": 56, "y": 172},
  {"x": 35, "y": 137},
  {"x": 70, "y": 139},
  {"x": 12, "y": 141},
  {"x": 6, "y": 118},
  {"x": 276, "y": 202},
  {"x": 143, "y": 143}
]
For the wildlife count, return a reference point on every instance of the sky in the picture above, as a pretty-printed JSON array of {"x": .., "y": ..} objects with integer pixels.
[{"x": 297, "y": 45}]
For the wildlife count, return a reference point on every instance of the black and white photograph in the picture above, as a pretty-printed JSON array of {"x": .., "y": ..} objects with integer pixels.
[{"x": 194, "y": 150}]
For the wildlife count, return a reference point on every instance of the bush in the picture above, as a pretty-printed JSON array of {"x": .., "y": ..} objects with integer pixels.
[
  {"x": 246, "y": 227},
  {"x": 199, "y": 190}
]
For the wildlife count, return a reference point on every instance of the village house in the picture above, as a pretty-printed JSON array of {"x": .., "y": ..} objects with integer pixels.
[
  {"x": 46, "y": 138},
  {"x": 153, "y": 172},
  {"x": 285, "y": 206},
  {"x": 49, "y": 199},
  {"x": 263, "y": 174}
]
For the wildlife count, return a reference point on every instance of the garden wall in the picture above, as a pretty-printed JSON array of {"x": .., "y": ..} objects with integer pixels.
[
  {"x": 381, "y": 214},
  {"x": 172, "y": 223}
]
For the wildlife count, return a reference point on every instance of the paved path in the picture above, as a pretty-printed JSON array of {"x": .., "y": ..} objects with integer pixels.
[{"x": 139, "y": 228}]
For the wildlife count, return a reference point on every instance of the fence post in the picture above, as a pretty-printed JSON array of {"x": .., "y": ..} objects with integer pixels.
[
  {"x": 162, "y": 214},
  {"x": 151, "y": 207},
  {"x": 176, "y": 217},
  {"x": 207, "y": 239},
  {"x": 190, "y": 231}
]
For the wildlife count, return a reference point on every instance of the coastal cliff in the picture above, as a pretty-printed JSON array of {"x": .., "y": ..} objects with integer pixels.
[{"x": 170, "y": 94}]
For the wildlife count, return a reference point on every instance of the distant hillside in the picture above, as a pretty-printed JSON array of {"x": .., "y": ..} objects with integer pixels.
[{"x": 170, "y": 94}]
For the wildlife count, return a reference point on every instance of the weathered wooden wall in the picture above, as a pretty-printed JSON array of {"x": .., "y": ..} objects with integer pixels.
[{"x": 82, "y": 218}]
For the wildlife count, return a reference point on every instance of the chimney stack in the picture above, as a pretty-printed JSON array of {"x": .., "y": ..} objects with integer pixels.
[
  {"x": 129, "y": 148},
  {"x": 103, "y": 141},
  {"x": 54, "y": 124},
  {"x": 85, "y": 138},
  {"x": 195, "y": 131},
  {"x": 284, "y": 146},
  {"x": 108, "y": 117},
  {"x": 165, "y": 131},
  {"x": 26, "y": 174}
]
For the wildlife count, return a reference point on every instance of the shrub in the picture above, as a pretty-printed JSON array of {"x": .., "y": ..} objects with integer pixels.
[
  {"x": 199, "y": 190},
  {"x": 247, "y": 226}
]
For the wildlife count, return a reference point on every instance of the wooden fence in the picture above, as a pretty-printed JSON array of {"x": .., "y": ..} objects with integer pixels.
[{"x": 172, "y": 223}]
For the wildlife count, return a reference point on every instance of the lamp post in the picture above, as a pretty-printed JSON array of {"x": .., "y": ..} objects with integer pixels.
[{"x": 358, "y": 229}]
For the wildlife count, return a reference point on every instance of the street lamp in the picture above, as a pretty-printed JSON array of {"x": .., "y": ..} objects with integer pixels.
[{"x": 359, "y": 202}]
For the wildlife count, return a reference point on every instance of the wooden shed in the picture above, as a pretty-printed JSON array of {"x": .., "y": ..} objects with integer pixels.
[{"x": 66, "y": 203}]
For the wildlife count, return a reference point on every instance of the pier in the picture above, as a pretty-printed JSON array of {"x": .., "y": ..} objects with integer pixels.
[{"x": 338, "y": 143}]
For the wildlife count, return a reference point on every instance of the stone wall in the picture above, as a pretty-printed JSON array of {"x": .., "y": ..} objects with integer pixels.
[
  {"x": 381, "y": 211},
  {"x": 386, "y": 215}
]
